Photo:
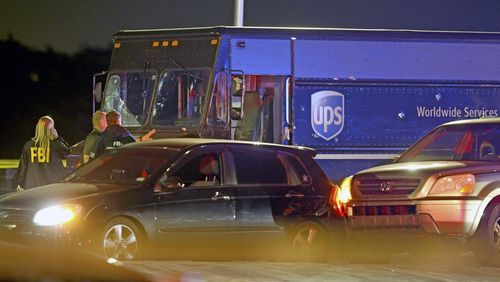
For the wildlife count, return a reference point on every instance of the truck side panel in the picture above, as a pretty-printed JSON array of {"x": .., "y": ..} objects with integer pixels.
[
  {"x": 375, "y": 123},
  {"x": 386, "y": 117},
  {"x": 415, "y": 60},
  {"x": 261, "y": 56}
]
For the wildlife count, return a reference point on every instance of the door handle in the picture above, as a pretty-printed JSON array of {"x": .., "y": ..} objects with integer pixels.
[
  {"x": 294, "y": 194},
  {"x": 220, "y": 196}
]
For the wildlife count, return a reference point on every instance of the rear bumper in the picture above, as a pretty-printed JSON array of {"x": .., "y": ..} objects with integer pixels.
[{"x": 441, "y": 217}]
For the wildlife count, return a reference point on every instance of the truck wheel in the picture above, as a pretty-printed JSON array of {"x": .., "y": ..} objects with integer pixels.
[
  {"x": 121, "y": 239},
  {"x": 487, "y": 246},
  {"x": 309, "y": 242}
]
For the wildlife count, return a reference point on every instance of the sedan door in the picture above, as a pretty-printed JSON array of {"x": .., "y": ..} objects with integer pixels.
[
  {"x": 200, "y": 204},
  {"x": 269, "y": 191}
]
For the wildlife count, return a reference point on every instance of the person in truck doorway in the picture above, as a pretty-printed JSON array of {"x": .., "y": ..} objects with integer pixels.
[
  {"x": 42, "y": 157},
  {"x": 115, "y": 135}
]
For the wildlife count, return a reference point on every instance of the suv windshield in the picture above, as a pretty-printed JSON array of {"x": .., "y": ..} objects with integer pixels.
[
  {"x": 464, "y": 142},
  {"x": 130, "y": 92},
  {"x": 181, "y": 97},
  {"x": 129, "y": 166}
]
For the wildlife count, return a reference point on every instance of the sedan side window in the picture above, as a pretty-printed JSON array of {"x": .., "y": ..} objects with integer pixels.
[
  {"x": 260, "y": 167},
  {"x": 203, "y": 170},
  {"x": 297, "y": 173}
]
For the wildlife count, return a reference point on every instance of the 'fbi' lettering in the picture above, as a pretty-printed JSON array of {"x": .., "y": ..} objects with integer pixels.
[{"x": 39, "y": 155}]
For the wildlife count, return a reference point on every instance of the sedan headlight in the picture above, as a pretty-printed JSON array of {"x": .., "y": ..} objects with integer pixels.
[
  {"x": 56, "y": 215},
  {"x": 454, "y": 185}
]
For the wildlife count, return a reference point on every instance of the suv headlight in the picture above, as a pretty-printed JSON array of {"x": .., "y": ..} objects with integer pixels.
[
  {"x": 344, "y": 195},
  {"x": 454, "y": 185},
  {"x": 56, "y": 215}
]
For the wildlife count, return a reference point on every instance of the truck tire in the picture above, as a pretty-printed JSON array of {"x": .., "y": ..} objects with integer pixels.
[{"x": 487, "y": 239}]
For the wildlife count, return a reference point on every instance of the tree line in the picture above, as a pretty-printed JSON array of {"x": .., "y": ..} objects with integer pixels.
[{"x": 37, "y": 83}]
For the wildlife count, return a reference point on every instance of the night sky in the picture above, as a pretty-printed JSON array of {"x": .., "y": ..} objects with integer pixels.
[{"x": 68, "y": 26}]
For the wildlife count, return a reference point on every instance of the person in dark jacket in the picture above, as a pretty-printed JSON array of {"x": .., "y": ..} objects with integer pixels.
[
  {"x": 114, "y": 135},
  {"x": 42, "y": 157},
  {"x": 99, "y": 123}
]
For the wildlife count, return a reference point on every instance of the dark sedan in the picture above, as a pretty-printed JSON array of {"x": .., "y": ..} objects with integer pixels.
[{"x": 181, "y": 193}]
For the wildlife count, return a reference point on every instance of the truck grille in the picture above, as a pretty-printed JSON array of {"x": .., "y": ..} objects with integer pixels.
[
  {"x": 395, "y": 187},
  {"x": 15, "y": 216}
]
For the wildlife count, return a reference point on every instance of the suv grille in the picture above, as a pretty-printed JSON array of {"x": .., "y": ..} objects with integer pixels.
[
  {"x": 386, "y": 186},
  {"x": 384, "y": 210}
]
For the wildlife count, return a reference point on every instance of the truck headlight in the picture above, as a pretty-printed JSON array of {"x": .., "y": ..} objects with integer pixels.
[
  {"x": 344, "y": 195},
  {"x": 56, "y": 215},
  {"x": 454, "y": 185}
]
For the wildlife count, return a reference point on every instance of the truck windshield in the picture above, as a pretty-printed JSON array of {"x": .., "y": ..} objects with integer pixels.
[
  {"x": 130, "y": 93},
  {"x": 465, "y": 142},
  {"x": 181, "y": 97}
]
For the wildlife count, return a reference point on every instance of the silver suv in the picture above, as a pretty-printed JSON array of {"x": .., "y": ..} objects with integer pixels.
[{"x": 446, "y": 184}]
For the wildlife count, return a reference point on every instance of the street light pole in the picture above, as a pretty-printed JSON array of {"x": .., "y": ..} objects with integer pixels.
[{"x": 239, "y": 7}]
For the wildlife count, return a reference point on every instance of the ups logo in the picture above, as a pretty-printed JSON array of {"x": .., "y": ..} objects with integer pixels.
[{"x": 327, "y": 113}]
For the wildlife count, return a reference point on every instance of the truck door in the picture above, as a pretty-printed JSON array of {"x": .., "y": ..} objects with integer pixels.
[
  {"x": 218, "y": 122},
  {"x": 257, "y": 107}
]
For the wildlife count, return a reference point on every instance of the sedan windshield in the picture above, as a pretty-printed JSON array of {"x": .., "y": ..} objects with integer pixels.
[
  {"x": 463, "y": 142},
  {"x": 129, "y": 166}
]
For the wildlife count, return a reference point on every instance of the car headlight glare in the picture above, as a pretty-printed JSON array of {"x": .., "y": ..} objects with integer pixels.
[
  {"x": 56, "y": 215},
  {"x": 454, "y": 185},
  {"x": 344, "y": 195}
]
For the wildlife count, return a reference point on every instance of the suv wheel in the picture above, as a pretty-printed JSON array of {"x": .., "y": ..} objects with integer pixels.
[{"x": 487, "y": 246}]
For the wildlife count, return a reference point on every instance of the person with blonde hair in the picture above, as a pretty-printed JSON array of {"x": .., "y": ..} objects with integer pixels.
[{"x": 42, "y": 156}]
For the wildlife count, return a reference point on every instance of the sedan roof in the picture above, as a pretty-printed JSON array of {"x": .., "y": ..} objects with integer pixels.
[{"x": 183, "y": 143}]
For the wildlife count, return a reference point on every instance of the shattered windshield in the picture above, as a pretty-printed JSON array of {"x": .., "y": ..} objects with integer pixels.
[
  {"x": 181, "y": 97},
  {"x": 130, "y": 93},
  {"x": 463, "y": 142}
]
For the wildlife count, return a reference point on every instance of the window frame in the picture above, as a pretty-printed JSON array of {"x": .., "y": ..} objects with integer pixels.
[
  {"x": 192, "y": 154},
  {"x": 278, "y": 154}
]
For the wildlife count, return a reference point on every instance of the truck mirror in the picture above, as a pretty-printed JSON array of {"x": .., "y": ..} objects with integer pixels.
[
  {"x": 98, "y": 82},
  {"x": 97, "y": 92}
]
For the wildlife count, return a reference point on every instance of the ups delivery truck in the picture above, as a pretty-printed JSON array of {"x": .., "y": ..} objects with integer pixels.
[{"x": 359, "y": 97}]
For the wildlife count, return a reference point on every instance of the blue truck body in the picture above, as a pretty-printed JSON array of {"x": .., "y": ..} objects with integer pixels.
[{"x": 359, "y": 97}]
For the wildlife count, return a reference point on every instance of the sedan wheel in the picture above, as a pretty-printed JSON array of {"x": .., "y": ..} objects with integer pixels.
[
  {"x": 121, "y": 240},
  {"x": 309, "y": 241}
]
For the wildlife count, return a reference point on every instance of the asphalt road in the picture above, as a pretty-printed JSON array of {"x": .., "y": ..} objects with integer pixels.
[{"x": 403, "y": 267}]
